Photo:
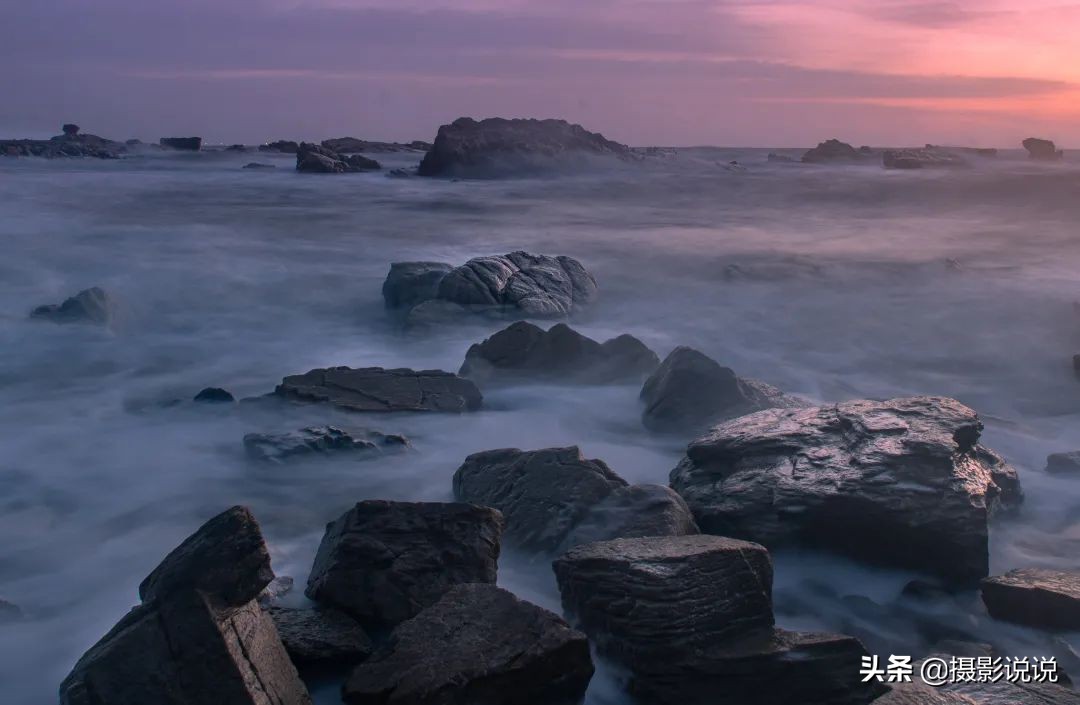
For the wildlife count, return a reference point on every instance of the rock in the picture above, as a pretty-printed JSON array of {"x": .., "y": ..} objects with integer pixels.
[
  {"x": 690, "y": 392},
  {"x": 315, "y": 159},
  {"x": 974, "y": 151},
  {"x": 635, "y": 511},
  {"x": 780, "y": 158},
  {"x": 918, "y": 693},
  {"x": 198, "y": 636},
  {"x": 1064, "y": 463},
  {"x": 214, "y": 395},
  {"x": 541, "y": 493},
  {"x": 921, "y": 159},
  {"x": 383, "y": 562},
  {"x": 9, "y": 612},
  {"x": 1006, "y": 693},
  {"x": 184, "y": 144},
  {"x": 259, "y": 165},
  {"x": 276, "y": 589},
  {"x": 434, "y": 313},
  {"x": 902, "y": 482},
  {"x": 319, "y": 440},
  {"x": 478, "y": 644},
  {"x": 525, "y": 351},
  {"x": 133, "y": 142},
  {"x": 1048, "y": 599},
  {"x": 321, "y": 636},
  {"x": 1043, "y": 149},
  {"x": 282, "y": 146},
  {"x": 93, "y": 305},
  {"x": 968, "y": 649},
  {"x": 70, "y": 130},
  {"x": 69, "y": 144},
  {"x": 834, "y": 151},
  {"x": 496, "y": 146},
  {"x": 411, "y": 283},
  {"x": 235, "y": 148},
  {"x": 352, "y": 145},
  {"x": 377, "y": 389}
]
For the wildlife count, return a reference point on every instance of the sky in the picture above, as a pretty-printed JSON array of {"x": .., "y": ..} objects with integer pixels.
[{"x": 647, "y": 72}]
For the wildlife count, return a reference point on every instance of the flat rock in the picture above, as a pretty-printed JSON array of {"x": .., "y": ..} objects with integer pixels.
[
  {"x": 542, "y": 493},
  {"x": 902, "y": 482},
  {"x": 372, "y": 389},
  {"x": 479, "y": 644},
  {"x": 281, "y": 146},
  {"x": 635, "y": 511},
  {"x": 184, "y": 144},
  {"x": 259, "y": 165},
  {"x": 524, "y": 351},
  {"x": 690, "y": 392},
  {"x": 321, "y": 636},
  {"x": 411, "y": 283},
  {"x": 352, "y": 145},
  {"x": 1064, "y": 463},
  {"x": 93, "y": 305},
  {"x": 320, "y": 440},
  {"x": 1049, "y": 599},
  {"x": 383, "y": 562},
  {"x": 930, "y": 158},
  {"x": 316, "y": 159}
]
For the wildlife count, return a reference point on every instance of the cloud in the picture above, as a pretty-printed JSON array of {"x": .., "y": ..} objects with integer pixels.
[{"x": 928, "y": 15}]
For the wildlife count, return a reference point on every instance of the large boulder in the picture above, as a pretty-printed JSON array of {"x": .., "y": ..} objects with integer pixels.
[
  {"x": 93, "y": 305},
  {"x": 690, "y": 392},
  {"x": 834, "y": 151},
  {"x": 634, "y": 511},
  {"x": 370, "y": 389},
  {"x": 383, "y": 562},
  {"x": 183, "y": 144},
  {"x": 901, "y": 482},
  {"x": 479, "y": 644},
  {"x": 320, "y": 440},
  {"x": 541, "y": 493},
  {"x": 199, "y": 636},
  {"x": 321, "y": 636},
  {"x": 1045, "y": 150},
  {"x": 411, "y": 283},
  {"x": 524, "y": 351},
  {"x": 316, "y": 159},
  {"x": 496, "y": 146},
  {"x": 1049, "y": 599}
]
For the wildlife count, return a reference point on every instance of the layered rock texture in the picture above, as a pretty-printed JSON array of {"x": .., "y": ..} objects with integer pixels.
[
  {"x": 1049, "y": 599},
  {"x": 373, "y": 389}
]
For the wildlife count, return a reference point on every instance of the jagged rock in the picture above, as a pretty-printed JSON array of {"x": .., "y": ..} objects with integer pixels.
[
  {"x": 319, "y": 440},
  {"x": 541, "y": 493},
  {"x": 214, "y": 395},
  {"x": 411, "y": 283},
  {"x": 902, "y": 482},
  {"x": 282, "y": 146},
  {"x": 921, "y": 159},
  {"x": 524, "y": 350},
  {"x": 1064, "y": 463},
  {"x": 378, "y": 389},
  {"x": 496, "y": 146},
  {"x": 184, "y": 144},
  {"x": 478, "y": 644},
  {"x": 258, "y": 165},
  {"x": 321, "y": 636},
  {"x": 93, "y": 305},
  {"x": 635, "y": 511},
  {"x": 1049, "y": 599},
  {"x": 315, "y": 159},
  {"x": 833, "y": 151},
  {"x": 9, "y": 612},
  {"x": 276, "y": 589},
  {"x": 199, "y": 635},
  {"x": 1042, "y": 149},
  {"x": 383, "y": 562},
  {"x": 690, "y": 392}
]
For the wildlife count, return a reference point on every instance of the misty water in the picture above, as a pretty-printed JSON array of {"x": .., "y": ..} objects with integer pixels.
[{"x": 829, "y": 282}]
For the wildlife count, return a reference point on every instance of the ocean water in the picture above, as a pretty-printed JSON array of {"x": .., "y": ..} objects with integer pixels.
[{"x": 831, "y": 282}]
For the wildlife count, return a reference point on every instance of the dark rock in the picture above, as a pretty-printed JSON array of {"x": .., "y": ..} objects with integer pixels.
[
  {"x": 834, "y": 151},
  {"x": 636, "y": 511},
  {"x": 282, "y": 146},
  {"x": 133, "y": 142},
  {"x": 319, "y": 440},
  {"x": 918, "y": 693},
  {"x": 477, "y": 645},
  {"x": 215, "y": 395},
  {"x": 1064, "y": 463},
  {"x": 496, "y": 146},
  {"x": 411, "y": 283},
  {"x": 315, "y": 159},
  {"x": 969, "y": 649},
  {"x": 1043, "y": 149},
  {"x": 259, "y": 165},
  {"x": 383, "y": 562},
  {"x": 276, "y": 589},
  {"x": 9, "y": 612},
  {"x": 91, "y": 305},
  {"x": 67, "y": 145},
  {"x": 70, "y": 130},
  {"x": 973, "y": 151},
  {"x": 902, "y": 482},
  {"x": 199, "y": 636},
  {"x": 921, "y": 159},
  {"x": 690, "y": 392},
  {"x": 541, "y": 493},
  {"x": 236, "y": 148},
  {"x": 352, "y": 145},
  {"x": 1049, "y": 599},
  {"x": 184, "y": 144},
  {"x": 321, "y": 636},
  {"x": 524, "y": 351},
  {"x": 378, "y": 389}
]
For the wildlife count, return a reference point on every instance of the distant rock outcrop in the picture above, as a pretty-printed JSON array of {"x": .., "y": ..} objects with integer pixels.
[
  {"x": 1044, "y": 150},
  {"x": 497, "y": 146},
  {"x": 69, "y": 144},
  {"x": 93, "y": 305},
  {"x": 352, "y": 145},
  {"x": 835, "y": 151},
  {"x": 282, "y": 146},
  {"x": 183, "y": 144},
  {"x": 316, "y": 159},
  {"x": 921, "y": 159}
]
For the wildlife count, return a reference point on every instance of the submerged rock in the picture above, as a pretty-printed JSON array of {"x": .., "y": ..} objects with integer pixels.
[
  {"x": 321, "y": 636},
  {"x": 477, "y": 644},
  {"x": 93, "y": 305},
  {"x": 199, "y": 636},
  {"x": 319, "y": 440},
  {"x": 1049, "y": 599},
  {"x": 833, "y": 151},
  {"x": 215, "y": 395},
  {"x": 901, "y": 482},
  {"x": 1042, "y": 149},
  {"x": 184, "y": 144},
  {"x": 376, "y": 389},
  {"x": 526, "y": 351},
  {"x": 411, "y": 283},
  {"x": 383, "y": 562},
  {"x": 1064, "y": 463},
  {"x": 635, "y": 511},
  {"x": 690, "y": 392},
  {"x": 496, "y": 146},
  {"x": 259, "y": 165},
  {"x": 314, "y": 159}
]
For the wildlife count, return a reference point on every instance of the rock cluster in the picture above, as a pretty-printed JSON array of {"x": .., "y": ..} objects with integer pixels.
[
  {"x": 69, "y": 144},
  {"x": 524, "y": 351},
  {"x": 93, "y": 305},
  {"x": 1044, "y": 150},
  {"x": 903, "y": 482},
  {"x": 319, "y": 440},
  {"x": 372, "y": 389},
  {"x": 316, "y": 159},
  {"x": 1049, "y": 599}
]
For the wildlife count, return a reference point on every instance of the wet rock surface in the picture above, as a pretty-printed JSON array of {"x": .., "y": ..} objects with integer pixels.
[
  {"x": 1049, "y": 599},
  {"x": 93, "y": 305},
  {"x": 478, "y": 644},
  {"x": 903, "y": 482},
  {"x": 320, "y": 440},
  {"x": 383, "y": 562},
  {"x": 373, "y": 389},
  {"x": 635, "y": 511},
  {"x": 524, "y": 351},
  {"x": 411, "y": 283},
  {"x": 321, "y": 636}
]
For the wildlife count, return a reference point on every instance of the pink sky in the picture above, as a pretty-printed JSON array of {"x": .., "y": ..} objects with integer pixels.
[{"x": 730, "y": 72}]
